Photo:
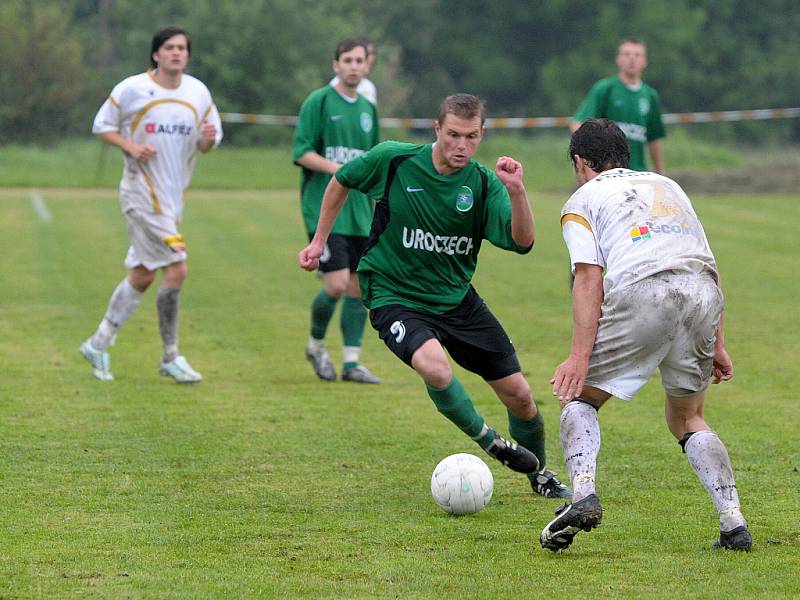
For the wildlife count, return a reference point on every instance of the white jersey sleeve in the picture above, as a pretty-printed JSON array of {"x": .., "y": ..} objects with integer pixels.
[{"x": 581, "y": 242}]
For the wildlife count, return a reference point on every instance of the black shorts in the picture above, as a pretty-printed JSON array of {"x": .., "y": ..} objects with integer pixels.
[
  {"x": 341, "y": 252},
  {"x": 470, "y": 333}
]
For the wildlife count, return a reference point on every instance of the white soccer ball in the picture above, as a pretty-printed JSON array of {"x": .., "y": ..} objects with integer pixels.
[{"x": 462, "y": 484}]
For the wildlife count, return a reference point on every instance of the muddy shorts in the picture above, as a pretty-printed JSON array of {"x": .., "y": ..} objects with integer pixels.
[
  {"x": 667, "y": 321},
  {"x": 155, "y": 240}
]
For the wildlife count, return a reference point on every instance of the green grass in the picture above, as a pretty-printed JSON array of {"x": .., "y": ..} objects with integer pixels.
[
  {"x": 88, "y": 163},
  {"x": 265, "y": 482}
]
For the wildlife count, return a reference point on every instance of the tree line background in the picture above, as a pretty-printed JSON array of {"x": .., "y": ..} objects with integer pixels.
[{"x": 60, "y": 58}]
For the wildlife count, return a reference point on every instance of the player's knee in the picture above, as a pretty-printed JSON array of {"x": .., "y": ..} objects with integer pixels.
[
  {"x": 175, "y": 274},
  {"x": 436, "y": 374}
]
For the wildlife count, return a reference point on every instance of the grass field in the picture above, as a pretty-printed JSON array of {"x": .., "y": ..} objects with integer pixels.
[{"x": 264, "y": 482}]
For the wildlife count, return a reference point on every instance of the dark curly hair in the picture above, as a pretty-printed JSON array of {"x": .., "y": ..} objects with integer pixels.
[{"x": 602, "y": 144}]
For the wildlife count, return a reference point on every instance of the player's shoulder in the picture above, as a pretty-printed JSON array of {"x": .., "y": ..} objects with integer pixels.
[
  {"x": 605, "y": 83},
  {"x": 316, "y": 97},
  {"x": 192, "y": 82},
  {"x": 136, "y": 81},
  {"x": 392, "y": 148},
  {"x": 649, "y": 90}
]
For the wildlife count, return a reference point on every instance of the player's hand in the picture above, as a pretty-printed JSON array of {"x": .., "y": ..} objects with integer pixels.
[
  {"x": 308, "y": 257},
  {"x": 141, "y": 152},
  {"x": 723, "y": 366},
  {"x": 208, "y": 132},
  {"x": 509, "y": 171},
  {"x": 569, "y": 378}
]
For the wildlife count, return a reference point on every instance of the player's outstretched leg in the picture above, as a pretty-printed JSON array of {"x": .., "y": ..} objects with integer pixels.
[
  {"x": 580, "y": 441},
  {"x": 122, "y": 304},
  {"x": 353, "y": 320},
  {"x": 454, "y": 403},
  {"x": 710, "y": 461}
]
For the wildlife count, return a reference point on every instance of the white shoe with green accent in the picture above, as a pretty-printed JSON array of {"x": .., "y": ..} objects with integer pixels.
[
  {"x": 100, "y": 361},
  {"x": 180, "y": 370}
]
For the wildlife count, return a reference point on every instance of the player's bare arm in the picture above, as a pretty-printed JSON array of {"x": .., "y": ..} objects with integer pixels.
[
  {"x": 332, "y": 202},
  {"x": 587, "y": 298},
  {"x": 316, "y": 162},
  {"x": 208, "y": 137},
  {"x": 523, "y": 227},
  {"x": 140, "y": 152},
  {"x": 657, "y": 156}
]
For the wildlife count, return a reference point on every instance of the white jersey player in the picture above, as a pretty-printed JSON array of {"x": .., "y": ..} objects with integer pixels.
[
  {"x": 159, "y": 119},
  {"x": 659, "y": 305}
]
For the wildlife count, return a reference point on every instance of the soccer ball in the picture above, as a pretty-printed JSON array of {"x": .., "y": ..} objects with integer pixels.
[{"x": 462, "y": 484}]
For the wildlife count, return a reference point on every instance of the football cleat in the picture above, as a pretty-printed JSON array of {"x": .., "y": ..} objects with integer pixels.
[
  {"x": 100, "y": 361},
  {"x": 360, "y": 374},
  {"x": 515, "y": 457},
  {"x": 736, "y": 539},
  {"x": 322, "y": 364},
  {"x": 180, "y": 371},
  {"x": 583, "y": 515},
  {"x": 546, "y": 484}
]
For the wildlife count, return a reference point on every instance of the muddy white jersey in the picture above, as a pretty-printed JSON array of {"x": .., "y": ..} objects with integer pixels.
[
  {"x": 634, "y": 224},
  {"x": 143, "y": 111}
]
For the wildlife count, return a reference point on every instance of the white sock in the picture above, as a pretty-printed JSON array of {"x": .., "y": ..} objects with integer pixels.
[
  {"x": 314, "y": 345},
  {"x": 350, "y": 354},
  {"x": 580, "y": 440},
  {"x": 709, "y": 460},
  {"x": 121, "y": 306}
]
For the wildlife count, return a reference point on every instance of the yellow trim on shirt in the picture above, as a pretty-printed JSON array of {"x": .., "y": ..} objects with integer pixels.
[
  {"x": 150, "y": 105},
  {"x": 205, "y": 114},
  {"x": 576, "y": 219},
  {"x": 114, "y": 102},
  {"x": 151, "y": 187}
]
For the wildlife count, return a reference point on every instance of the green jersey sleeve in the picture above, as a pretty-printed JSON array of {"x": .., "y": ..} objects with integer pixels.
[
  {"x": 498, "y": 216},
  {"x": 308, "y": 132},
  {"x": 593, "y": 105}
]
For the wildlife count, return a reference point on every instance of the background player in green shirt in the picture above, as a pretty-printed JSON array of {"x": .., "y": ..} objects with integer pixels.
[
  {"x": 434, "y": 207},
  {"x": 632, "y": 104},
  {"x": 336, "y": 125}
]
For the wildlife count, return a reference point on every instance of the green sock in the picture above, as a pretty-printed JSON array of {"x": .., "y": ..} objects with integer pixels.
[
  {"x": 454, "y": 403},
  {"x": 321, "y": 312},
  {"x": 354, "y": 317},
  {"x": 529, "y": 434}
]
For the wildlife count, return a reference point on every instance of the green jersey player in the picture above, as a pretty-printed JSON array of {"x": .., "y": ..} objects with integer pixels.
[
  {"x": 629, "y": 102},
  {"x": 435, "y": 206},
  {"x": 336, "y": 125}
]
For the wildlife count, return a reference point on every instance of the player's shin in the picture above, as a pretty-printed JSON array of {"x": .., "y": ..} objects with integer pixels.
[
  {"x": 710, "y": 461},
  {"x": 353, "y": 320},
  {"x": 322, "y": 309},
  {"x": 530, "y": 434},
  {"x": 454, "y": 403},
  {"x": 580, "y": 440},
  {"x": 167, "y": 307},
  {"x": 124, "y": 301}
]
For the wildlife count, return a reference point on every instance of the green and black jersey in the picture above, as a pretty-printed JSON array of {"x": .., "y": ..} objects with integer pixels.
[
  {"x": 637, "y": 112},
  {"x": 428, "y": 227},
  {"x": 340, "y": 130}
]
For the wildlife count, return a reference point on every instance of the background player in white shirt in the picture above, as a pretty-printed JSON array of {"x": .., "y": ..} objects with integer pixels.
[
  {"x": 365, "y": 87},
  {"x": 658, "y": 306},
  {"x": 159, "y": 119}
]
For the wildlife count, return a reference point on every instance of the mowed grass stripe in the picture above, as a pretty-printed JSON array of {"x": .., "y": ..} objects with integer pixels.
[{"x": 263, "y": 481}]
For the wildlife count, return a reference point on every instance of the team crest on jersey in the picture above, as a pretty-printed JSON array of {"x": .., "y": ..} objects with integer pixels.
[
  {"x": 644, "y": 106},
  {"x": 366, "y": 122},
  {"x": 464, "y": 199}
]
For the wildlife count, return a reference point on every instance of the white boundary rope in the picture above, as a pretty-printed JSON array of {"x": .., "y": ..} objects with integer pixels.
[{"x": 537, "y": 122}]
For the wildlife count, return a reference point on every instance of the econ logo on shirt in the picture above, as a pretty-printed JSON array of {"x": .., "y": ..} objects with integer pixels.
[
  {"x": 640, "y": 233},
  {"x": 464, "y": 199}
]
